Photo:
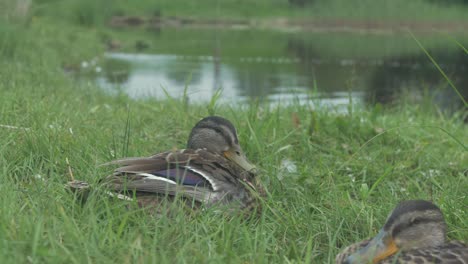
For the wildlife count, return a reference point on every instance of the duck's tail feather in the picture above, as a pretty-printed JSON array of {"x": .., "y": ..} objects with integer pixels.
[{"x": 82, "y": 190}]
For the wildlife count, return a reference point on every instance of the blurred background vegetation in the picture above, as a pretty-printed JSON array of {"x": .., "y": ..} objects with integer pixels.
[
  {"x": 92, "y": 13},
  {"x": 310, "y": 33}
]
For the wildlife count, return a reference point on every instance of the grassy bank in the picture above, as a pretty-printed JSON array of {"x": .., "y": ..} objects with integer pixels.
[
  {"x": 344, "y": 186},
  {"x": 351, "y": 168}
]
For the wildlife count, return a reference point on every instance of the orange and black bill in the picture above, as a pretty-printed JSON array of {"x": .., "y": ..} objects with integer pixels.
[{"x": 380, "y": 247}]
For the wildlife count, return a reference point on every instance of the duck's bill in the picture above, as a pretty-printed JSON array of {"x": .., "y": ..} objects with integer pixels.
[
  {"x": 240, "y": 160},
  {"x": 379, "y": 248}
]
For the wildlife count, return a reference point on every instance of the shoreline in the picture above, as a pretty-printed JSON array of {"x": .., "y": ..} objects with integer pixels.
[{"x": 292, "y": 25}]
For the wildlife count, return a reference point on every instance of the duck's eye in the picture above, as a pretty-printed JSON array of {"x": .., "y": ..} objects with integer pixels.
[
  {"x": 415, "y": 221},
  {"x": 238, "y": 153}
]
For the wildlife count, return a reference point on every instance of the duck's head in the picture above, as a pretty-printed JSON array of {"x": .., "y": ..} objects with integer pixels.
[
  {"x": 218, "y": 135},
  {"x": 412, "y": 224}
]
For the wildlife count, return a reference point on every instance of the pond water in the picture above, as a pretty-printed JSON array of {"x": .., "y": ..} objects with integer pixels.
[{"x": 302, "y": 67}]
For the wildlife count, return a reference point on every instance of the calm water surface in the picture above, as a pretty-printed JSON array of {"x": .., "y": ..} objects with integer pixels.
[{"x": 318, "y": 68}]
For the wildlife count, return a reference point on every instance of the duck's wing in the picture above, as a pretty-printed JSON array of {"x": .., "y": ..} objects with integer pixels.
[{"x": 200, "y": 175}]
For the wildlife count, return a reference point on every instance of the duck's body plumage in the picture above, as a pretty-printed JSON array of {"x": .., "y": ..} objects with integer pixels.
[
  {"x": 199, "y": 176},
  {"x": 212, "y": 170},
  {"x": 453, "y": 252},
  {"x": 414, "y": 233}
]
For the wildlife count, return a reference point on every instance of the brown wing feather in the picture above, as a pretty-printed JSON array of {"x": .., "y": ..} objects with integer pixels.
[
  {"x": 226, "y": 179},
  {"x": 163, "y": 160}
]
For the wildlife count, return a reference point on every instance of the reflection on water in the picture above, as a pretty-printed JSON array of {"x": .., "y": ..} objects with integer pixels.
[
  {"x": 162, "y": 75},
  {"x": 320, "y": 69},
  {"x": 159, "y": 76}
]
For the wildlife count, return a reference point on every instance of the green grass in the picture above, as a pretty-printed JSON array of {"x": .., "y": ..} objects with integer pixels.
[
  {"x": 343, "y": 190},
  {"x": 352, "y": 168}
]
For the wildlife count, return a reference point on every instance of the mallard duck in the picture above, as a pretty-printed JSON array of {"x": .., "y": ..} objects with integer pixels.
[
  {"x": 415, "y": 232},
  {"x": 212, "y": 170}
]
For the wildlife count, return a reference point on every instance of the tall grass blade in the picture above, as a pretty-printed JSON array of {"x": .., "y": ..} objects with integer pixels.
[
  {"x": 461, "y": 46},
  {"x": 214, "y": 99},
  {"x": 127, "y": 134},
  {"x": 439, "y": 69}
]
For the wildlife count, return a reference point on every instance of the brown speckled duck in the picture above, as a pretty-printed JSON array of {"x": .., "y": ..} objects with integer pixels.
[
  {"x": 415, "y": 233},
  {"x": 212, "y": 170}
]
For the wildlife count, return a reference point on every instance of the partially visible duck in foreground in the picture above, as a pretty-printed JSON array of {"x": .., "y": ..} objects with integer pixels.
[
  {"x": 212, "y": 170},
  {"x": 415, "y": 232}
]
